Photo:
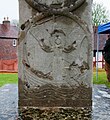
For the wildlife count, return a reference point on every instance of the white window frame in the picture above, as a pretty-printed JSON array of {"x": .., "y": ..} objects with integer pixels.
[{"x": 14, "y": 43}]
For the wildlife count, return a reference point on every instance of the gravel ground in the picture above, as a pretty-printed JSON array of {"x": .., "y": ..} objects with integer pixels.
[
  {"x": 9, "y": 102},
  {"x": 101, "y": 102}
]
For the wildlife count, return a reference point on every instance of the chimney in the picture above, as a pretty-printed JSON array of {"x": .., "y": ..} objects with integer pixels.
[{"x": 6, "y": 22}]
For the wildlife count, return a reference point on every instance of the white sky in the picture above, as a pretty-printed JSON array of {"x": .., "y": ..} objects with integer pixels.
[
  {"x": 9, "y": 8},
  {"x": 105, "y": 3}
]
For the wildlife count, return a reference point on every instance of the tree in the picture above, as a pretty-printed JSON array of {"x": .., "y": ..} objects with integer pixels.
[
  {"x": 99, "y": 14},
  {"x": 15, "y": 22}
]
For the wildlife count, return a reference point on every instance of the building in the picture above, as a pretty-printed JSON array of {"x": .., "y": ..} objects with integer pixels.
[
  {"x": 102, "y": 39},
  {"x": 8, "y": 47}
]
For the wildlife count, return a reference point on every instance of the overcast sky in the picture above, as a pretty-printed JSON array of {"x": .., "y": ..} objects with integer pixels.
[
  {"x": 105, "y": 3},
  {"x": 9, "y": 8}
]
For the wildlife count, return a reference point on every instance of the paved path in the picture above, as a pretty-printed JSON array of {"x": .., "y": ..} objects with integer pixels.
[
  {"x": 9, "y": 102},
  {"x": 101, "y": 102}
]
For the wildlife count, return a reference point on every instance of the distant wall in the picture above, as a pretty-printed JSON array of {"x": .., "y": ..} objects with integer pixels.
[
  {"x": 8, "y": 56},
  {"x": 9, "y": 65}
]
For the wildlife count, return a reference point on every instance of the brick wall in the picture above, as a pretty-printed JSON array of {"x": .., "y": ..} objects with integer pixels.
[{"x": 8, "y": 56}]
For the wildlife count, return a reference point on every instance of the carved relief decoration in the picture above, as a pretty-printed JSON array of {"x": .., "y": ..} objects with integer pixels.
[
  {"x": 55, "y": 47},
  {"x": 53, "y": 51}
]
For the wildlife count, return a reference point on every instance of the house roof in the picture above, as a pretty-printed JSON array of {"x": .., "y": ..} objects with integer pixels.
[{"x": 8, "y": 31}]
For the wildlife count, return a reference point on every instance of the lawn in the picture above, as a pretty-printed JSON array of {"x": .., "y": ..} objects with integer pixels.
[
  {"x": 8, "y": 78},
  {"x": 102, "y": 79},
  {"x": 12, "y": 78}
]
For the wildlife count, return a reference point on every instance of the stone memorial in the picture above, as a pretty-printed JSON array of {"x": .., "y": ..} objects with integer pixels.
[{"x": 55, "y": 59}]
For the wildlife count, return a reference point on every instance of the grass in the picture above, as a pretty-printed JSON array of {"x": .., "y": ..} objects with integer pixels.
[
  {"x": 102, "y": 78},
  {"x": 8, "y": 78},
  {"x": 12, "y": 78}
]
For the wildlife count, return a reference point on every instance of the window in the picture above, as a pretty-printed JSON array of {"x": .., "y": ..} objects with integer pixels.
[{"x": 14, "y": 42}]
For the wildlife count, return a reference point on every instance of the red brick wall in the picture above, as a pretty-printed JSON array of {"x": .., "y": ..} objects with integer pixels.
[
  {"x": 8, "y": 56},
  {"x": 8, "y": 66}
]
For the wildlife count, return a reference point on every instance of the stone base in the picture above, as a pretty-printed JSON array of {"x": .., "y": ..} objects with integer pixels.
[{"x": 55, "y": 113}]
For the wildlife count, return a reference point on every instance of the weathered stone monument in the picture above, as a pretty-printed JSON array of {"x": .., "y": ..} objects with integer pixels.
[{"x": 55, "y": 60}]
